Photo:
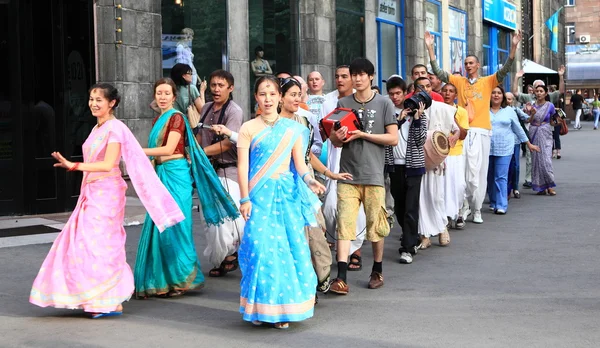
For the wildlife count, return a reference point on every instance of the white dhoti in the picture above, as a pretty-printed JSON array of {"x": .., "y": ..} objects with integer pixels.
[
  {"x": 224, "y": 240},
  {"x": 477, "y": 158},
  {"x": 454, "y": 185},
  {"x": 432, "y": 210},
  {"x": 329, "y": 207}
]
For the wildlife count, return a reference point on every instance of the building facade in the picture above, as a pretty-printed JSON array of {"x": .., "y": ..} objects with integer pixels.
[
  {"x": 582, "y": 45},
  {"x": 132, "y": 43}
]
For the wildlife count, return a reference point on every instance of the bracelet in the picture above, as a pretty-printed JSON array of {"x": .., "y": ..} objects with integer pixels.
[
  {"x": 303, "y": 175},
  {"x": 74, "y": 168},
  {"x": 244, "y": 200}
]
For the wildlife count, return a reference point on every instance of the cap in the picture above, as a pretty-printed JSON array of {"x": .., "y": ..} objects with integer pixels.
[
  {"x": 538, "y": 83},
  {"x": 391, "y": 76}
]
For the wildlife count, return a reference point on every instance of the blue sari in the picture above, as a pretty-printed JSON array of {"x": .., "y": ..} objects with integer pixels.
[
  {"x": 168, "y": 261},
  {"x": 278, "y": 279}
]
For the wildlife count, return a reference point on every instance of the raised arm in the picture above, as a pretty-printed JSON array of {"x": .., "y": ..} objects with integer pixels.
[
  {"x": 516, "y": 38},
  {"x": 561, "y": 77},
  {"x": 515, "y": 85},
  {"x": 429, "y": 42}
]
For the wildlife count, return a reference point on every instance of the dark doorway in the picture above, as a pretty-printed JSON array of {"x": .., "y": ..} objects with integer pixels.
[{"x": 48, "y": 49}]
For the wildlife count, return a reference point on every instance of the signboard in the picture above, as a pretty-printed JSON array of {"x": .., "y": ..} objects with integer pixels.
[
  {"x": 169, "y": 48},
  {"x": 389, "y": 9},
  {"x": 458, "y": 24},
  {"x": 500, "y": 12},
  {"x": 583, "y": 64}
]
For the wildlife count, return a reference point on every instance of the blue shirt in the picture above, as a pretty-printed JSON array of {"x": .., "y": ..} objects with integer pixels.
[{"x": 505, "y": 126}]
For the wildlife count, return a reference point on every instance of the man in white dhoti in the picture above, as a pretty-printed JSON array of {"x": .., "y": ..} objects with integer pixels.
[
  {"x": 432, "y": 209},
  {"x": 455, "y": 183}
]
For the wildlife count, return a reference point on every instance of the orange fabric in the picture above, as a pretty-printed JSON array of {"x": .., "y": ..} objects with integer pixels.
[
  {"x": 304, "y": 106},
  {"x": 476, "y": 98}
]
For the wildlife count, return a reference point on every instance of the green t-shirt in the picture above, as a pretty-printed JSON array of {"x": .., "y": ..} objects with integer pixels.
[
  {"x": 183, "y": 97},
  {"x": 525, "y": 98},
  {"x": 596, "y": 104}
]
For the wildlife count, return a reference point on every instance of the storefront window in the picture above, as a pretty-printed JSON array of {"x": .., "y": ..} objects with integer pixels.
[
  {"x": 194, "y": 33},
  {"x": 390, "y": 34},
  {"x": 433, "y": 25},
  {"x": 458, "y": 40},
  {"x": 350, "y": 30},
  {"x": 496, "y": 51}
]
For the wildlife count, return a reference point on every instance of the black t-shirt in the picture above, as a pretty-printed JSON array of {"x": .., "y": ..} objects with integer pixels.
[{"x": 577, "y": 101}]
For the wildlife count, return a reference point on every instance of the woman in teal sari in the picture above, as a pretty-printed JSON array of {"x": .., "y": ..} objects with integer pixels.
[
  {"x": 167, "y": 264},
  {"x": 278, "y": 280}
]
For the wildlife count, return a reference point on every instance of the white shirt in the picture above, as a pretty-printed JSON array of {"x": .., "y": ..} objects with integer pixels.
[{"x": 400, "y": 148}]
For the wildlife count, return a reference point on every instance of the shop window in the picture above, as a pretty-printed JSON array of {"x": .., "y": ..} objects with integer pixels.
[
  {"x": 390, "y": 39},
  {"x": 350, "y": 30},
  {"x": 433, "y": 24},
  {"x": 194, "y": 32},
  {"x": 496, "y": 50},
  {"x": 458, "y": 40}
]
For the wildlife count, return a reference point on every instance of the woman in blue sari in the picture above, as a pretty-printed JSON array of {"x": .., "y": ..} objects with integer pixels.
[
  {"x": 278, "y": 280},
  {"x": 167, "y": 264}
]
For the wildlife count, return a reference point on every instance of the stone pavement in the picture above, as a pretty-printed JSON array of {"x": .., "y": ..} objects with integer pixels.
[{"x": 526, "y": 279}]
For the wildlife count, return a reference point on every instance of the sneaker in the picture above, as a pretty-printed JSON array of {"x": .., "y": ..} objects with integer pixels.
[
  {"x": 464, "y": 214},
  {"x": 527, "y": 184},
  {"x": 376, "y": 280},
  {"x": 491, "y": 208},
  {"x": 444, "y": 238},
  {"x": 477, "y": 217},
  {"x": 500, "y": 211},
  {"x": 460, "y": 223},
  {"x": 425, "y": 243},
  {"x": 339, "y": 287},
  {"x": 406, "y": 258}
]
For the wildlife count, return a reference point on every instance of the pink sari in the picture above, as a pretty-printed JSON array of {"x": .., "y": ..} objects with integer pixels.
[{"x": 86, "y": 267}]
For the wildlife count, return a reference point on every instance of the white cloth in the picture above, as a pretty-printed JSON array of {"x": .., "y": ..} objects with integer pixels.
[
  {"x": 432, "y": 211},
  {"x": 455, "y": 184},
  {"x": 318, "y": 140},
  {"x": 329, "y": 207},
  {"x": 224, "y": 240},
  {"x": 577, "y": 118},
  {"x": 185, "y": 56},
  {"x": 477, "y": 158},
  {"x": 400, "y": 148}
]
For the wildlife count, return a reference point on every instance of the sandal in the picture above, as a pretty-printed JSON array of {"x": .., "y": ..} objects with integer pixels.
[
  {"x": 355, "y": 260},
  {"x": 551, "y": 192},
  {"x": 282, "y": 326},
  {"x": 225, "y": 267}
]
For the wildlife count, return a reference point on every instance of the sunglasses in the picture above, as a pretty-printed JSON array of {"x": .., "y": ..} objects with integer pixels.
[{"x": 284, "y": 81}]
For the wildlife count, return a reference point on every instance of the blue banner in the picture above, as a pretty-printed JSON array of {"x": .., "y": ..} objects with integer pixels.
[{"x": 500, "y": 12}]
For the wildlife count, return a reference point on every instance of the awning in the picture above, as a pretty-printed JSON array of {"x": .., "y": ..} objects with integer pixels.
[{"x": 530, "y": 67}]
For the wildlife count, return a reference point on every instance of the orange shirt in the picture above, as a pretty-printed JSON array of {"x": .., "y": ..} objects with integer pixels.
[
  {"x": 462, "y": 119},
  {"x": 475, "y": 97}
]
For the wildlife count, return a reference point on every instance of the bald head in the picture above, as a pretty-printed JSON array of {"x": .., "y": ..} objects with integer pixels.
[
  {"x": 304, "y": 87},
  {"x": 510, "y": 98},
  {"x": 315, "y": 83}
]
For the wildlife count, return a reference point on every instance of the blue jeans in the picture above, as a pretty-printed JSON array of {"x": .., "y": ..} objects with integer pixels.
[
  {"x": 498, "y": 181},
  {"x": 514, "y": 170},
  {"x": 596, "y": 116}
]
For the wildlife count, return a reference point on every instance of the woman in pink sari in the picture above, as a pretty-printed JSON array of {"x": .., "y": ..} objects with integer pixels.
[{"x": 86, "y": 267}]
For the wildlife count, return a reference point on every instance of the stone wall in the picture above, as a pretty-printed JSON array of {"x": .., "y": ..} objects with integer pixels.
[{"x": 134, "y": 65}]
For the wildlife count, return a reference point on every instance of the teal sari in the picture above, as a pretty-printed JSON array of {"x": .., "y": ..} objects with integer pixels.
[{"x": 168, "y": 261}]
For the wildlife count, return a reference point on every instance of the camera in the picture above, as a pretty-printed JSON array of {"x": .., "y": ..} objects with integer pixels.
[{"x": 414, "y": 100}]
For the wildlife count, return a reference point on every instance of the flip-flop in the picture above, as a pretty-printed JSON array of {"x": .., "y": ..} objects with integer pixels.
[{"x": 110, "y": 314}]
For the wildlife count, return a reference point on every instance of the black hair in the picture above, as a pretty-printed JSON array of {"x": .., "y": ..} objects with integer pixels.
[
  {"x": 258, "y": 49},
  {"x": 223, "y": 74},
  {"x": 109, "y": 92},
  {"x": 287, "y": 83},
  {"x": 269, "y": 78},
  {"x": 177, "y": 73},
  {"x": 166, "y": 81},
  {"x": 417, "y": 66},
  {"x": 283, "y": 72},
  {"x": 451, "y": 85},
  {"x": 474, "y": 56},
  {"x": 504, "y": 101},
  {"x": 362, "y": 65},
  {"x": 420, "y": 79},
  {"x": 396, "y": 82},
  {"x": 376, "y": 88}
]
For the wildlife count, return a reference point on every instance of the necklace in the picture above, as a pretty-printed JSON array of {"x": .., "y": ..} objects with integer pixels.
[
  {"x": 270, "y": 123},
  {"x": 101, "y": 123},
  {"x": 366, "y": 101}
]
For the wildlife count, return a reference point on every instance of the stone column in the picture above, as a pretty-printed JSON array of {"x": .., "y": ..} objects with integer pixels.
[
  {"x": 475, "y": 29},
  {"x": 317, "y": 37},
  {"x": 371, "y": 33},
  {"x": 414, "y": 30},
  {"x": 134, "y": 65},
  {"x": 238, "y": 52}
]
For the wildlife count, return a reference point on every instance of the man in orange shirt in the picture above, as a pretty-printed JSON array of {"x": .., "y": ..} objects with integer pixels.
[{"x": 474, "y": 93}]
